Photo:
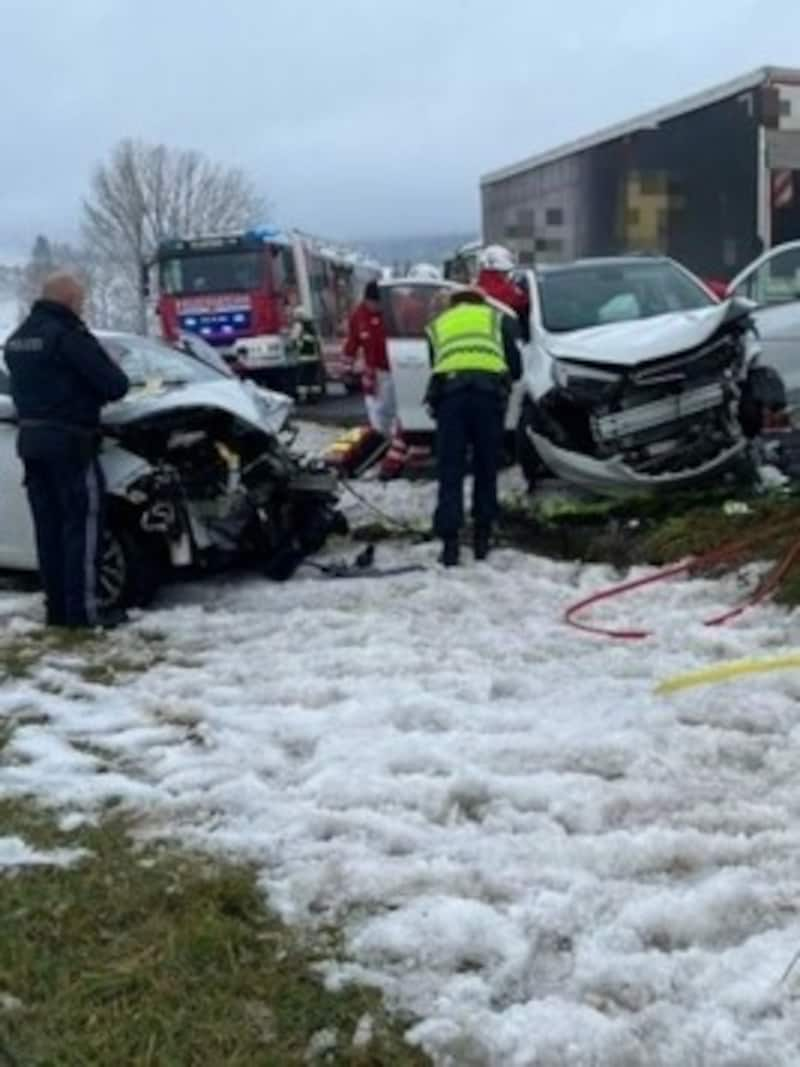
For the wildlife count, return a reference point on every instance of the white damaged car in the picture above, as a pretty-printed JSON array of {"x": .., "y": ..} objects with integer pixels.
[
  {"x": 637, "y": 377},
  {"x": 197, "y": 475}
]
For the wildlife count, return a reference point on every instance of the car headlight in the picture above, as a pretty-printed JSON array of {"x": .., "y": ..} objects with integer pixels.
[{"x": 585, "y": 381}]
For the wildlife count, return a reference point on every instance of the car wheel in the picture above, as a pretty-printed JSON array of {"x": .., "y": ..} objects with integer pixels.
[
  {"x": 128, "y": 572},
  {"x": 529, "y": 461},
  {"x": 508, "y": 455}
]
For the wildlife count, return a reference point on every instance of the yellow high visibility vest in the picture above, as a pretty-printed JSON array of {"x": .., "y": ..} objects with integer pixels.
[{"x": 468, "y": 337}]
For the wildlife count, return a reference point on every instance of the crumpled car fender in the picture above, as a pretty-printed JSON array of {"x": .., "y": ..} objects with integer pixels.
[{"x": 121, "y": 468}]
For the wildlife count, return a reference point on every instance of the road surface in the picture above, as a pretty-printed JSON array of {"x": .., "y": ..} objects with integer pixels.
[{"x": 337, "y": 409}]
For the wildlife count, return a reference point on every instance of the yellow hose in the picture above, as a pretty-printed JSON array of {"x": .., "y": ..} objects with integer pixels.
[{"x": 723, "y": 672}]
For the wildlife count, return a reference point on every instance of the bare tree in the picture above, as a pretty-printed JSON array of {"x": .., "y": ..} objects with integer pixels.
[
  {"x": 41, "y": 263},
  {"x": 112, "y": 301},
  {"x": 148, "y": 193}
]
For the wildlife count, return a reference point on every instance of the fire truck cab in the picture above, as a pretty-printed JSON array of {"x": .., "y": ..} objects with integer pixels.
[{"x": 243, "y": 292}]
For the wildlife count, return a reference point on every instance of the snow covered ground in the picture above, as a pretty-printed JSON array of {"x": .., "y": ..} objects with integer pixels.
[
  {"x": 528, "y": 850},
  {"x": 15, "y": 853}
]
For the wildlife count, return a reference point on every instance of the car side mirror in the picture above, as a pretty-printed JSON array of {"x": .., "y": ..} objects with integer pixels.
[{"x": 8, "y": 413}]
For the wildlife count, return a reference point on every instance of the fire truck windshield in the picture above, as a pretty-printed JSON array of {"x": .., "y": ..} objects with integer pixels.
[{"x": 212, "y": 272}]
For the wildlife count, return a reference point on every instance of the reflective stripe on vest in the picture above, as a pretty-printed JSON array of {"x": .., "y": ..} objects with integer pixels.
[{"x": 468, "y": 337}]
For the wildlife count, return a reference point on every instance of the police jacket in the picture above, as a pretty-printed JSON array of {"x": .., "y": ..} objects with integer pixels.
[
  {"x": 60, "y": 374},
  {"x": 472, "y": 345}
]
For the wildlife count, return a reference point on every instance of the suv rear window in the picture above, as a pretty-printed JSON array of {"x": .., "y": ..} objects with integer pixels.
[{"x": 409, "y": 309}]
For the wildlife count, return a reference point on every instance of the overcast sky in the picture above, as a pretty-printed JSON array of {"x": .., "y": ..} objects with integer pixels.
[{"x": 355, "y": 117}]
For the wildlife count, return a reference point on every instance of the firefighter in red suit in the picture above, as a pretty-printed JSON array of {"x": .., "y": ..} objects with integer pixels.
[
  {"x": 494, "y": 280},
  {"x": 366, "y": 338}
]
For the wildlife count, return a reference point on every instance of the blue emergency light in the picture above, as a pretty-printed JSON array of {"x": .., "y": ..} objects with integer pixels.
[{"x": 266, "y": 232}]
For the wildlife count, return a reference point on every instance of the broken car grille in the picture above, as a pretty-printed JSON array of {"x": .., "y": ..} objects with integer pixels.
[
  {"x": 668, "y": 410},
  {"x": 708, "y": 363}
]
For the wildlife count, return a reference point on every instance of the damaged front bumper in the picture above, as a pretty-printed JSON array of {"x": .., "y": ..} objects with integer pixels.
[
  {"x": 615, "y": 475},
  {"x": 668, "y": 423}
]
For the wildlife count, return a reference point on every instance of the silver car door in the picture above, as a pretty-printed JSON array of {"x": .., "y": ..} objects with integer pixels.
[
  {"x": 17, "y": 543},
  {"x": 773, "y": 283}
]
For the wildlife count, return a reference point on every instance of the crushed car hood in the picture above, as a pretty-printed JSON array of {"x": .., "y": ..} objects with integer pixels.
[
  {"x": 259, "y": 408},
  {"x": 630, "y": 343}
]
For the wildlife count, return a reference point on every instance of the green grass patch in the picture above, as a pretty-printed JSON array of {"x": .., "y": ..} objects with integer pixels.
[
  {"x": 661, "y": 530},
  {"x": 148, "y": 957},
  {"x": 98, "y": 658},
  {"x": 21, "y": 653}
]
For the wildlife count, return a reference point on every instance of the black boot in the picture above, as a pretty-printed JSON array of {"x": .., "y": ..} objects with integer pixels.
[
  {"x": 482, "y": 543},
  {"x": 450, "y": 552}
]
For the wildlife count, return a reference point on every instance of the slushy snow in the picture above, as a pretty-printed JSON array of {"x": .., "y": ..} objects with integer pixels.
[
  {"x": 534, "y": 856},
  {"x": 14, "y": 853}
]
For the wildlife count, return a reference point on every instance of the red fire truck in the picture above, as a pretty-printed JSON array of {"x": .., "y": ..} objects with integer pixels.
[{"x": 242, "y": 292}]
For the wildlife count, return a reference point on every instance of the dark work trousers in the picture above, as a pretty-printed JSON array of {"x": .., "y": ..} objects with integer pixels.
[
  {"x": 468, "y": 418},
  {"x": 66, "y": 498}
]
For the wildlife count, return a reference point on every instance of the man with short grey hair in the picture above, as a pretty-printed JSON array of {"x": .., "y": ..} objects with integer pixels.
[{"x": 60, "y": 379}]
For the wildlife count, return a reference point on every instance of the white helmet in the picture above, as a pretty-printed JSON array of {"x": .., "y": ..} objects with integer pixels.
[
  {"x": 425, "y": 272},
  {"x": 495, "y": 257}
]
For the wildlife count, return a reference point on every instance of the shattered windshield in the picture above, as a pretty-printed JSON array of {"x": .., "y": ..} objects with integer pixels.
[
  {"x": 580, "y": 297},
  {"x": 146, "y": 361}
]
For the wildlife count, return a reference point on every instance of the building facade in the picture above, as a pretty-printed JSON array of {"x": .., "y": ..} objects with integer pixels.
[{"x": 711, "y": 181}]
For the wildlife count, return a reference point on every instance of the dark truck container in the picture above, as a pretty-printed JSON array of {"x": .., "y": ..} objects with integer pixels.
[{"x": 712, "y": 181}]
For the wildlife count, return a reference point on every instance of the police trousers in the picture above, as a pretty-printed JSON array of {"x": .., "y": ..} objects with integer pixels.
[
  {"x": 468, "y": 419},
  {"x": 66, "y": 499}
]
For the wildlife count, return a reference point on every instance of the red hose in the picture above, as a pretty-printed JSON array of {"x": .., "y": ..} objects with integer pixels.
[
  {"x": 716, "y": 556},
  {"x": 765, "y": 590},
  {"x": 618, "y": 590}
]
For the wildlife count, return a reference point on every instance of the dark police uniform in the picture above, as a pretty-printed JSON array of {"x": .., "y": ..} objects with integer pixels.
[
  {"x": 475, "y": 358},
  {"x": 60, "y": 379}
]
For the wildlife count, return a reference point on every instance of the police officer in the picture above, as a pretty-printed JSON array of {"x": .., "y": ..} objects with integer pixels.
[
  {"x": 60, "y": 379},
  {"x": 475, "y": 357}
]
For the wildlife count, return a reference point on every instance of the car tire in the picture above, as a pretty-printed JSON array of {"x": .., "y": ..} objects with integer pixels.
[
  {"x": 529, "y": 461},
  {"x": 129, "y": 572}
]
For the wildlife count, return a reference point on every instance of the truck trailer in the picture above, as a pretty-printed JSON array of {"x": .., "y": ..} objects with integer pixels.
[{"x": 712, "y": 180}]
